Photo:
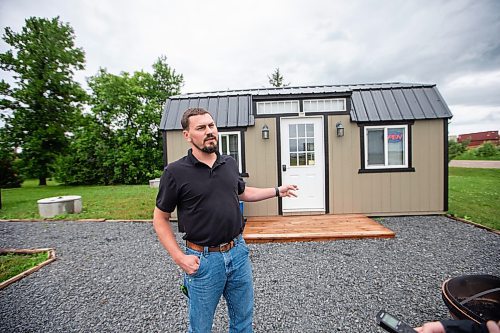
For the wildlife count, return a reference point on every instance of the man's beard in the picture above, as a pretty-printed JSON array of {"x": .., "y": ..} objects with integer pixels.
[{"x": 209, "y": 149}]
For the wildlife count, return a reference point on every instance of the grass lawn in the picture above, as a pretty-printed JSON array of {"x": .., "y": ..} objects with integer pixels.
[
  {"x": 108, "y": 202},
  {"x": 12, "y": 264},
  {"x": 474, "y": 194}
]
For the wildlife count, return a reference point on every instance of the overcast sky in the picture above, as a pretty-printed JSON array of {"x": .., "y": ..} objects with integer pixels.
[{"x": 236, "y": 44}]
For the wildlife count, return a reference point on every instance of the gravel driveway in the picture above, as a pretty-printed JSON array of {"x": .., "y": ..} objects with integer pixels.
[{"x": 116, "y": 277}]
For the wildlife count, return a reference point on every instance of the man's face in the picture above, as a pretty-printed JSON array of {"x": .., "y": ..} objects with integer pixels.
[{"x": 202, "y": 133}]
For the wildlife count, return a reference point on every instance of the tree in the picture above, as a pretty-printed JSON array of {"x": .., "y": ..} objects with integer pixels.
[
  {"x": 456, "y": 149},
  {"x": 120, "y": 140},
  {"x": 276, "y": 79},
  {"x": 9, "y": 174},
  {"x": 45, "y": 100}
]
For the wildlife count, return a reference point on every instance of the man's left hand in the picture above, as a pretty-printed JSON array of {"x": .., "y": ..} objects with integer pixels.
[{"x": 288, "y": 190}]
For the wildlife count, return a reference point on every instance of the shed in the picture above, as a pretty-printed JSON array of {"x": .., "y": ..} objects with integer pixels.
[{"x": 377, "y": 149}]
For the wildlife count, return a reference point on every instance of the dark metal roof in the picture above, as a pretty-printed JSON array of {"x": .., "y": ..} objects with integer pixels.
[
  {"x": 227, "y": 111},
  {"x": 370, "y": 102},
  {"x": 404, "y": 103}
]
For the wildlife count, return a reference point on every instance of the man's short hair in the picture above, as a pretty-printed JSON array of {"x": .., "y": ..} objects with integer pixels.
[{"x": 189, "y": 113}]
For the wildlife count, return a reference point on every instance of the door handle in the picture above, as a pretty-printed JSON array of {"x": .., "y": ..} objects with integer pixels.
[{"x": 283, "y": 167}]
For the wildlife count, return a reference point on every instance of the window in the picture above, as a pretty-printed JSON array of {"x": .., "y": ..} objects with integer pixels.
[
  {"x": 230, "y": 144},
  {"x": 278, "y": 107},
  {"x": 386, "y": 147},
  {"x": 324, "y": 105},
  {"x": 301, "y": 140}
]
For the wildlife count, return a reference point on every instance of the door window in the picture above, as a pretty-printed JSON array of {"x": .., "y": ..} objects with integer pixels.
[{"x": 301, "y": 143}]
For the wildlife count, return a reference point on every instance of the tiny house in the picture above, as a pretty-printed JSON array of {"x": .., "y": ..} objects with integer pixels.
[{"x": 375, "y": 149}]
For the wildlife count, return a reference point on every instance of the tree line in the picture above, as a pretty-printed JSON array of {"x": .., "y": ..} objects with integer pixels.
[{"x": 54, "y": 128}]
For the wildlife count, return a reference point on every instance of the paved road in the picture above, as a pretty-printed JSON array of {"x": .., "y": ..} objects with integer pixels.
[{"x": 475, "y": 164}]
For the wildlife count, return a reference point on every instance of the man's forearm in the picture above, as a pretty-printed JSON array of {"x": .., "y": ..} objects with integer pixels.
[
  {"x": 161, "y": 224},
  {"x": 252, "y": 194}
]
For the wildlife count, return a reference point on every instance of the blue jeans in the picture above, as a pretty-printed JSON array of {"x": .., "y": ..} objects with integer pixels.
[{"x": 227, "y": 274}]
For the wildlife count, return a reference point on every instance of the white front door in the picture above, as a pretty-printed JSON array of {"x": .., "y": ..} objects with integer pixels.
[{"x": 303, "y": 163}]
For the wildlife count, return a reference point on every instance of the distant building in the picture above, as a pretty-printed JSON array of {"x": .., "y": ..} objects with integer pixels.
[
  {"x": 453, "y": 138},
  {"x": 477, "y": 139}
]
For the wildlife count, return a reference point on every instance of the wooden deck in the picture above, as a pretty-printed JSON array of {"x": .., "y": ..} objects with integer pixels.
[{"x": 312, "y": 228}]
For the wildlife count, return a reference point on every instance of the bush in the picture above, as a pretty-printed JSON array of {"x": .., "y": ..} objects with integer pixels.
[
  {"x": 486, "y": 150},
  {"x": 455, "y": 149}
]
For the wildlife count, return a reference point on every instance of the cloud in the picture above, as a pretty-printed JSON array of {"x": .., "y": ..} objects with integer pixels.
[
  {"x": 474, "y": 118},
  {"x": 225, "y": 44}
]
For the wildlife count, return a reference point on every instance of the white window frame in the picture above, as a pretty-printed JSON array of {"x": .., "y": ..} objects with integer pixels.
[
  {"x": 239, "y": 146},
  {"x": 317, "y": 103},
  {"x": 386, "y": 150},
  {"x": 278, "y": 107}
]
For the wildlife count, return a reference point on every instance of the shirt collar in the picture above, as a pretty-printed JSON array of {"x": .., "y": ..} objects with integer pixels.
[{"x": 221, "y": 159}]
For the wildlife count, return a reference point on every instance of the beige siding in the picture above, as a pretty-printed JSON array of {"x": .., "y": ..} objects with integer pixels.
[
  {"x": 261, "y": 165},
  {"x": 386, "y": 193},
  {"x": 177, "y": 146}
]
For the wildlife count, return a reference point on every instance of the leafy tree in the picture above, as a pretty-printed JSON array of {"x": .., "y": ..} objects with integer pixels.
[
  {"x": 45, "y": 100},
  {"x": 276, "y": 79},
  {"x": 121, "y": 138},
  {"x": 9, "y": 173},
  {"x": 456, "y": 149}
]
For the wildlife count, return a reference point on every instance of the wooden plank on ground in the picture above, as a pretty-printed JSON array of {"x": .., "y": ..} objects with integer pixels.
[{"x": 313, "y": 228}]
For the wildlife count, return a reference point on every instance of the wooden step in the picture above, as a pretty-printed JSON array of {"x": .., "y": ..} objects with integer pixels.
[{"x": 311, "y": 228}]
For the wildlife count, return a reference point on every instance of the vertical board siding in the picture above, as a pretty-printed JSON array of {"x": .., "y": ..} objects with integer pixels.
[
  {"x": 261, "y": 165},
  {"x": 391, "y": 192}
]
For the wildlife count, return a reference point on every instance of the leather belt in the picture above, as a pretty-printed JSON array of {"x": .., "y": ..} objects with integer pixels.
[{"x": 220, "y": 248}]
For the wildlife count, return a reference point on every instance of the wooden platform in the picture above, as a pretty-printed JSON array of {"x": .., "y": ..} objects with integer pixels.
[{"x": 312, "y": 228}]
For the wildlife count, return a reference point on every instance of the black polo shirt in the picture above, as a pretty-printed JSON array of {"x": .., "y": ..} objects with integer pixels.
[{"x": 206, "y": 198}]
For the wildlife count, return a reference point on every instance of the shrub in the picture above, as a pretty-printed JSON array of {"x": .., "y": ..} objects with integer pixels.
[
  {"x": 486, "y": 150},
  {"x": 455, "y": 149}
]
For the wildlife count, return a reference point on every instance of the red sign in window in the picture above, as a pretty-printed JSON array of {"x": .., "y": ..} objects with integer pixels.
[{"x": 395, "y": 137}]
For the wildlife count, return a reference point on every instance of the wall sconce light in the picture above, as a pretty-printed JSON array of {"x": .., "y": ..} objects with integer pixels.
[
  {"x": 340, "y": 129},
  {"x": 265, "y": 132}
]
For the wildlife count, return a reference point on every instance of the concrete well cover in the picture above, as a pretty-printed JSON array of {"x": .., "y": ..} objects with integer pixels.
[{"x": 50, "y": 207}]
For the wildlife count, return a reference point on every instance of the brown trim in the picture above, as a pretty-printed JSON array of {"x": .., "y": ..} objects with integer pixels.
[
  {"x": 278, "y": 151},
  {"x": 326, "y": 156},
  {"x": 446, "y": 175},
  {"x": 386, "y": 170},
  {"x": 242, "y": 131},
  {"x": 477, "y": 225},
  {"x": 301, "y": 98},
  {"x": 165, "y": 155},
  {"x": 363, "y": 168},
  {"x": 51, "y": 258},
  {"x": 262, "y": 98}
]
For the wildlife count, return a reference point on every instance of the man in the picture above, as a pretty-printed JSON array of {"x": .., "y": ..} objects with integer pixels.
[{"x": 206, "y": 188}]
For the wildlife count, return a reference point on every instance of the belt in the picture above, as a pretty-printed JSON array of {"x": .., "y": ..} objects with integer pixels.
[{"x": 219, "y": 248}]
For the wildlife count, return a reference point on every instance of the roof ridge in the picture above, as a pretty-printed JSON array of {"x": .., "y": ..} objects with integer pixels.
[{"x": 352, "y": 87}]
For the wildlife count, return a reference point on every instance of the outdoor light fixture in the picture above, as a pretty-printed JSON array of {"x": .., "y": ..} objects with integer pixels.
[
  {"x": 340, "y": 129},
  {"x": 265, "y": 132}
]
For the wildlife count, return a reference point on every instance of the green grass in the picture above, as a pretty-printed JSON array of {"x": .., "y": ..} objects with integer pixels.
[
  {"x": 12, "y": 264},
  {"x": 474, "y": 194},
  {"x": 108, "y": 202}
]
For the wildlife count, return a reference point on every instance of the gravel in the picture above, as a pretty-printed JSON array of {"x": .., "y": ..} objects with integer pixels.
[{"x": 116, "y": 277}]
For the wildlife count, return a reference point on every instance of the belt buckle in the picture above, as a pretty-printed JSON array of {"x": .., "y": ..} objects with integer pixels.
[{"x": 225, "y": 247}]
